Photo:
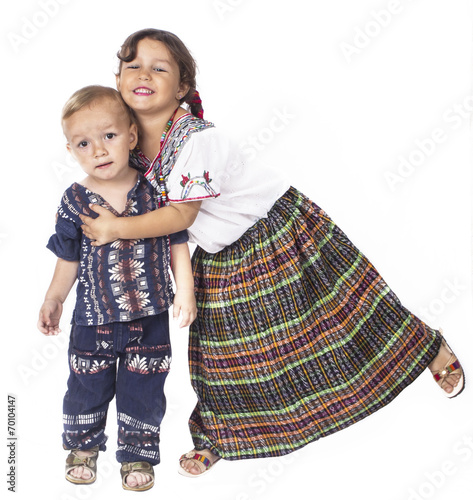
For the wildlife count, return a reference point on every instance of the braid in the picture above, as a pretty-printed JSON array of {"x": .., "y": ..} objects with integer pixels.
[{"x": 195, "y": 103}]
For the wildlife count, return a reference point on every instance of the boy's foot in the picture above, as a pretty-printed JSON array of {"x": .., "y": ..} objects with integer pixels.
[
  {"x": 197, "y": 463},
  {"x": 447, "y": 371},
  {"x": 81, "y": 466},
  {"x": 137, "y": 476}
]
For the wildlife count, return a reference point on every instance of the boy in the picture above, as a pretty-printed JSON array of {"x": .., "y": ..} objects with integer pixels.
[{"x": 123, "y": 294}]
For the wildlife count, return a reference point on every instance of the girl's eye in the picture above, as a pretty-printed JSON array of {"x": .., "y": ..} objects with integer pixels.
[
  {"x": 132, "y": 66},
  {"x": 158, "y": 70}
]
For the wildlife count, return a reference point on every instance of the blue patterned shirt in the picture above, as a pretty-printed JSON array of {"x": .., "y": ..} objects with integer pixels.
[{"x": 123, "y": 280}]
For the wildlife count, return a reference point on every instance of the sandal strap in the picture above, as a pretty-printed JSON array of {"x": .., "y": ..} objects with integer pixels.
[
  {"x": 198, "y": 457},
  {"x": 146, "y": 467},
  {"x": 89, "y": 463},
  {"x": 74, "y": 460},
  {"x": 447, "y": 370}
]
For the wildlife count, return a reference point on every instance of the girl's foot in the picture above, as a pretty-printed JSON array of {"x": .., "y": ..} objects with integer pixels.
[
  {"x": 447, "y": 371},
  {"x": 197, "y": 463},
  {"x": 81, "y": 466}
]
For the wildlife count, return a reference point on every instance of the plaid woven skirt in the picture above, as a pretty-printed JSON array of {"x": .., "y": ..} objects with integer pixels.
[{"x": 297, "y": 336}]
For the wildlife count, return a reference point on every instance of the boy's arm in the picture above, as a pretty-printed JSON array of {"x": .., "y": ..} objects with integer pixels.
[
  {"x": 64, "y": 277},
  {"x": 184, "y": 299},
  {"x": 161, "y": 222}
]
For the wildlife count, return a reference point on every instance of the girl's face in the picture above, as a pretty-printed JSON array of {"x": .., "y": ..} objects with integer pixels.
[{"x": 151, "y": 84}]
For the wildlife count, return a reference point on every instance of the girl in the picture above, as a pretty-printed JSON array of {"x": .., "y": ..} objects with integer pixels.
[{"x": 297, "y": 335}]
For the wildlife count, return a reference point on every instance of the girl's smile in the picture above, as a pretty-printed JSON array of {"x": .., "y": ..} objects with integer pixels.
[{"x": 143, "y": 91}]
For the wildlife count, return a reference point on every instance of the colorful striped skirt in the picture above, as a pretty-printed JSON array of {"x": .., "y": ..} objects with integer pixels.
[{"x": 297, "y": 336}]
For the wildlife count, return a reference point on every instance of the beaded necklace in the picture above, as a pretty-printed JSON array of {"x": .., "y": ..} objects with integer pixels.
[{"x": 162, "y": 197}]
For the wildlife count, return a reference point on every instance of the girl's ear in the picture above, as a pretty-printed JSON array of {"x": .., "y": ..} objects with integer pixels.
[
  {"x": 182, "y": 90},
  {"x": 117, "y": 81}
]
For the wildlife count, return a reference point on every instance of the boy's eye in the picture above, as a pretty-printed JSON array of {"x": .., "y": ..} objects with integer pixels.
[
  {"x": 158, "y": 70},
  {"x": 110, "y": 135},
  {"x": 83, "y": 144}
]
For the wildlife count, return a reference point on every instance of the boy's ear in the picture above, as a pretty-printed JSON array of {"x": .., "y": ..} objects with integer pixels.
[{"x": 133, "y": 135}]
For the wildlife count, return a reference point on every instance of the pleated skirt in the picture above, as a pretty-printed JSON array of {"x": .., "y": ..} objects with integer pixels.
[{"x": 297, "y": 336}]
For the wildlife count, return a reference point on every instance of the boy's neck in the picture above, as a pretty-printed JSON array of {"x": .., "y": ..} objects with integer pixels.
[{"x": 114, "y": 191}]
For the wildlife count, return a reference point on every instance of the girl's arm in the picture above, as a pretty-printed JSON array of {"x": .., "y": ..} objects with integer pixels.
[
  {"x": 65, "y": 275},
  {"x": 161, "y": 222},
  {"x": 184, "y": 299}
]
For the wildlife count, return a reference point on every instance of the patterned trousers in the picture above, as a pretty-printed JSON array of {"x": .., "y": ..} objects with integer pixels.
[{"x": 130, "y": 360}]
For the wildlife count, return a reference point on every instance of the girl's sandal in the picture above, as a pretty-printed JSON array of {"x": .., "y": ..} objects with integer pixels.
[
  {"x": 89, "y": 463},
  {"x": 203, "y": 463},
  {"x": 144, "y": 467},
  {"x": 452, "y": 366}
]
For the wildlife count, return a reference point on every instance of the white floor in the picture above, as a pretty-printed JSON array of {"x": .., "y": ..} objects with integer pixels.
[{"x": 366, "y": 107}]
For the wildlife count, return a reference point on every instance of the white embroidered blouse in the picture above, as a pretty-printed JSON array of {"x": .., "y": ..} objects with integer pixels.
[{"x": 199, "y": 163}]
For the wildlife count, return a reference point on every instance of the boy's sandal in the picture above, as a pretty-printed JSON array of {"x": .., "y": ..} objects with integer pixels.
[
  {"x": 452, "y": 366},
  {"x": 203, "y": 463},
  {"x": 144, "y": 467},
  {"x": 89, "y": 463}
]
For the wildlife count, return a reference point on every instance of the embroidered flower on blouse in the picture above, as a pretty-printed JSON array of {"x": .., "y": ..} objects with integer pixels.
[{"x": 201, "y": 183}]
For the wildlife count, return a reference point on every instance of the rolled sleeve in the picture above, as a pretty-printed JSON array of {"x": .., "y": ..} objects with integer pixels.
[{"x": 177, "y": 238}]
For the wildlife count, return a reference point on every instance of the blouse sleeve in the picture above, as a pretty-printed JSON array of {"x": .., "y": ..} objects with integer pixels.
[
  {"x": 199, "y": 167},
  {"x": 65, "y": 243}
]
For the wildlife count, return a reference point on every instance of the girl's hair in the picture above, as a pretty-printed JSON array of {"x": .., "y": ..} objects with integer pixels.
[
  {"x": 180, "y": 53},
  {"x": 90, "y": 94}
]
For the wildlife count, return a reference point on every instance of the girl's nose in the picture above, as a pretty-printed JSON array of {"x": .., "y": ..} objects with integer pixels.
[{"x": 144, "y": 74}]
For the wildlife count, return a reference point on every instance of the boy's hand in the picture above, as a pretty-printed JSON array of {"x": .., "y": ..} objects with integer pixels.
[
  {"x": 100, "y": 230},
  {"x": 49, "y": 316},
  {"x": 184, "y": 305}
]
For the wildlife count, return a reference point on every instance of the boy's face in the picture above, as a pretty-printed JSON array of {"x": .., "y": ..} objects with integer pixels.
[{"x": 100, "y": 138}]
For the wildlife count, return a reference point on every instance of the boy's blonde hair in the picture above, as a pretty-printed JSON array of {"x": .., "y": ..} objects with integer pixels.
[{"x": 90, "y": 94}]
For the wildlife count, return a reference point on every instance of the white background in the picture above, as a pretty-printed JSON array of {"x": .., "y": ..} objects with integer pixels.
[{"x": 361, "y": 85}]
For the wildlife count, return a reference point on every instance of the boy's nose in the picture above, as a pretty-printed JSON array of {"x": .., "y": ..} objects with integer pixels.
[{"x": 99, "y": 150}]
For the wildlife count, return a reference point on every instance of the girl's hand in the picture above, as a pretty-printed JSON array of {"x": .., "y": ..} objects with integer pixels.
[
  {"x": 184, "y": 305},
  {"x": 49, "y": 316},
  {"x": 101, "y": 230}
]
